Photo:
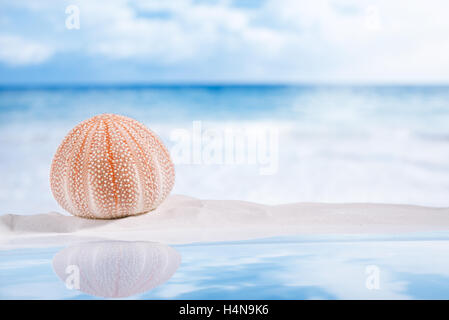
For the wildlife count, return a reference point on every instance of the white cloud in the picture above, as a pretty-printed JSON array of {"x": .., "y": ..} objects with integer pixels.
[
  {"x": 16, "y": 50},
  {"x": 287, "y": 40},
  {"x": 192, "y": 33}
]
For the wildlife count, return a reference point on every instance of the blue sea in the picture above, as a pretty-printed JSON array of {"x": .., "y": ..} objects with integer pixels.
[{"x": 377, "y": 144}]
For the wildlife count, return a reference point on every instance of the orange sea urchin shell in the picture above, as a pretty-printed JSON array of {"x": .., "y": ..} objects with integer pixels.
[{"x": 111, "y": 166}]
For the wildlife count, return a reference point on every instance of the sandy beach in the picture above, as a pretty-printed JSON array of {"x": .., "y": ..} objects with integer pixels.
[{"x": 182, "y": 219}]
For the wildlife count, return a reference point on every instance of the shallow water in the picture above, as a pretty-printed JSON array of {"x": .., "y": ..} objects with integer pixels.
[{"x": 408, "y": 266}]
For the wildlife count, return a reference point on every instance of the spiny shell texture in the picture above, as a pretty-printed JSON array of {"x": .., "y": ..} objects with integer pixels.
[
  {"x": 116, "y": 269},
  {"x": 111, "y": 166}
]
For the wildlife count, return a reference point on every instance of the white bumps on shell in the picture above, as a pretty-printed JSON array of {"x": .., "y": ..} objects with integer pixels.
[{"x": 111, "y": 166}]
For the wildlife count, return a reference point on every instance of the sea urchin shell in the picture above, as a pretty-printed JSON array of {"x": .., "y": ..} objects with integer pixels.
[{"x": 111, "y": 166}]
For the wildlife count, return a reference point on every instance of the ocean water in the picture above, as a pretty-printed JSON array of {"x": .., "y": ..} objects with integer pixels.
[
  {"x": 409, "y": 266},
  {"x": 386, "y": 144}
]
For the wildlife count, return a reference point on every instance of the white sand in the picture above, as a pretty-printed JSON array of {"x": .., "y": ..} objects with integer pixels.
[{"x": 182, "y": 219}]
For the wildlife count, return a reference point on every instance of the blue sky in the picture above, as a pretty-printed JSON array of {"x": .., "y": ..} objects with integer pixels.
[{"x": 268, "y": 41}]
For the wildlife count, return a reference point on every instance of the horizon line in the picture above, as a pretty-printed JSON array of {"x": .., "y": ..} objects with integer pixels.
[{"x": 144, "y": 85}]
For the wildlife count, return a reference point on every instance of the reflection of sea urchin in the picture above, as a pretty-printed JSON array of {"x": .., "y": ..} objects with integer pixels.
[
  {"x": 111, "y": 166},
  {"x": 116, "y": 269}
]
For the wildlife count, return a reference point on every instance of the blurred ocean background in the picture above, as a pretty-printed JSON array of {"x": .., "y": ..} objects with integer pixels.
[
  {"x": 383, "y": 144},
  {"x": 356, "y": 90}
]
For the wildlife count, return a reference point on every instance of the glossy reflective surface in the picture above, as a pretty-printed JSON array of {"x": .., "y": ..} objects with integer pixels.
[
  {"x": 411, "y": 266},
  {"x": 115, "y": 269}
]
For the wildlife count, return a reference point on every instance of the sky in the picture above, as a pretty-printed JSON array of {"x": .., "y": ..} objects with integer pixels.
[{"x": 207, "y": 41}]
